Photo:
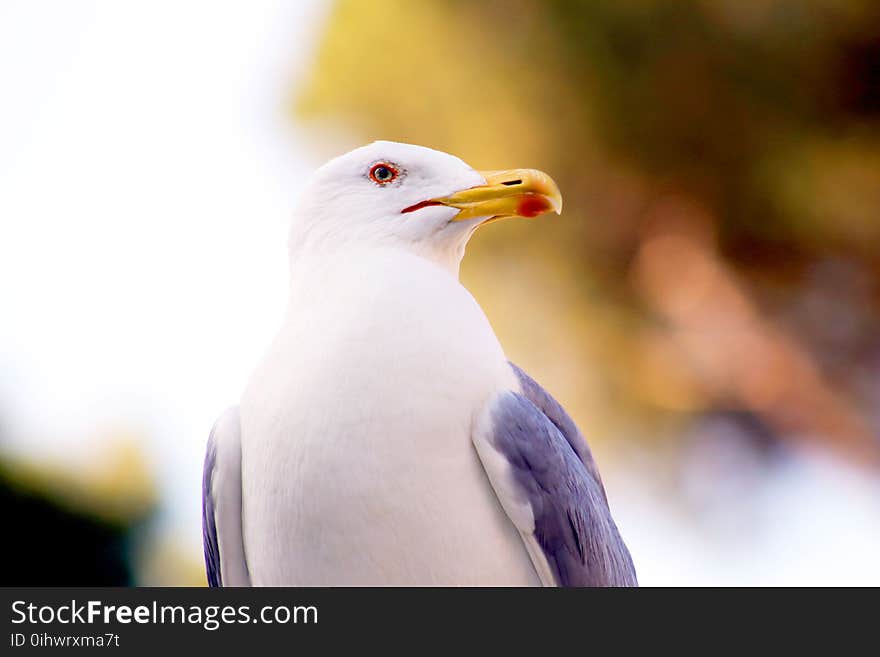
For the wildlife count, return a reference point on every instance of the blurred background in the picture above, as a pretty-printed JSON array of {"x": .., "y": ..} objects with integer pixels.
[{"x": 707, "y": 307}]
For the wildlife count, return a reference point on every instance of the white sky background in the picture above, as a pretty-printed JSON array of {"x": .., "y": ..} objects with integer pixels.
[{"x": 147, "y": 173}]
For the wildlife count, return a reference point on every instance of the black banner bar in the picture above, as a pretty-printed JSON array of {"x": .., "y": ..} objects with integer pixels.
[
  {"x": 541, "y": 621},
  {"x": 155, "y": 619}
]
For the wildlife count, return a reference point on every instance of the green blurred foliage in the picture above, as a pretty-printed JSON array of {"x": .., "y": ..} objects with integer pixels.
[{"x": 720, "y": 163}]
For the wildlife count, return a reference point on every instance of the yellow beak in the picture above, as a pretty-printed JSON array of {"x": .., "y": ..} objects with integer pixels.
[{"x": 511, "y": 193}]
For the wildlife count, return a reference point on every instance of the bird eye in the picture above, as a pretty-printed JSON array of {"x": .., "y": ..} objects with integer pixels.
[{"x": 383, "y": 173}]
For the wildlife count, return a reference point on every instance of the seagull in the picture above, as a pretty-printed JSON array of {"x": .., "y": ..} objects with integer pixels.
[{"x": 384, "y": 438}]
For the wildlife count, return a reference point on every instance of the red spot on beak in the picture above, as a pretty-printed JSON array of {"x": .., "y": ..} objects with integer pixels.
[{"x": 532, "y": 205}]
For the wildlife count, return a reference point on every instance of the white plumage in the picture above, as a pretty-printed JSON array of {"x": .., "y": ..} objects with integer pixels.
[{"x": 356, "y": 430}]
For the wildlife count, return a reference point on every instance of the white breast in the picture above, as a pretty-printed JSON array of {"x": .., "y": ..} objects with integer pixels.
[{"x": 357, "y": 460}]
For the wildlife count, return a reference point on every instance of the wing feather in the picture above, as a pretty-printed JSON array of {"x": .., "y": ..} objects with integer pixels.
[
  {"x": 225, "y": 561},
  {"x": 547, "y": 481}
]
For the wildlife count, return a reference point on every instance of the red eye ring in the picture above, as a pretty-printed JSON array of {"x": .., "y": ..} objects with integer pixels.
[{"x": 383, "y": 173}]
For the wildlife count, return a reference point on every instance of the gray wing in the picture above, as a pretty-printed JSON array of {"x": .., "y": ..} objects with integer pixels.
[
  {"x": 221, "y": 505},
  {"x": 545, "y": 478},
  {"x": 551, "y": 408}
]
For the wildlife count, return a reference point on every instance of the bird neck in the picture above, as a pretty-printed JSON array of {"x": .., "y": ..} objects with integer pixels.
[
  {"x": 445, "y": 255},
  {"x": 308, "y": 260},
  {"x": 352, "y": 285}
]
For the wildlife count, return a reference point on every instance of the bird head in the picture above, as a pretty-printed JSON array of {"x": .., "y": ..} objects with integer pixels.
[{"x": 388, "y": 193}]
